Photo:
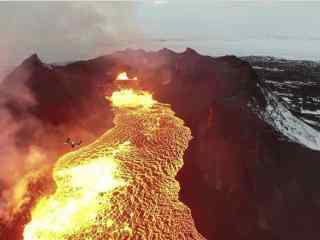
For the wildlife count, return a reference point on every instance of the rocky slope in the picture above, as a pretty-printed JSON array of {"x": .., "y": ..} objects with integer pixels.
[{"x": 251, "y": 169}]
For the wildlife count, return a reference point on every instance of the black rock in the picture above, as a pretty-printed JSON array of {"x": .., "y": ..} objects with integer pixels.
[{"x": 242, "y": 177}]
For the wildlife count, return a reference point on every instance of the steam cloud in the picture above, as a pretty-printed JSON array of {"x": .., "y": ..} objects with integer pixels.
[
  {"x": 64, "y": 31},
  {"x": 58, "y": 32},
  {"x": 15, "y": 160}
]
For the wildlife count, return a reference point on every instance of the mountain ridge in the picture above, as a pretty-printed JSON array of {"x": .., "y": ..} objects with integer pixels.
[{"x": 237, "y": 165}]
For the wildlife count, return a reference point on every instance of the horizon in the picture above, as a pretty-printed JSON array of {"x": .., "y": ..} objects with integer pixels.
[{"x": 70, "y": 31}]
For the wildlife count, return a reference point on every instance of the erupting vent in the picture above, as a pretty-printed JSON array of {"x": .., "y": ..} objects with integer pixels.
[
  {"x": 123, "y": 185},
  {"x": 124, "y": 76}
]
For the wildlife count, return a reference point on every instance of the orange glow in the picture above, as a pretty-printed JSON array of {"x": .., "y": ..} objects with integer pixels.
[
  {"x": 35, "y": 157},
  {"x": 124, "y": 76},
  {"x": 131, "y": 98},
  {"x": 76, "y": 203},
  {"x": 122, "y": 186}
]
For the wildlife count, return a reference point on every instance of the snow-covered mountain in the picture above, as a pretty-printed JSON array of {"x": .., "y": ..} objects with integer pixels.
[{"x": 292, "y": 92}]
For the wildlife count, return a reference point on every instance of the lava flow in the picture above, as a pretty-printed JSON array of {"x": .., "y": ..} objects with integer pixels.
[{"x": 122, "y": 186}]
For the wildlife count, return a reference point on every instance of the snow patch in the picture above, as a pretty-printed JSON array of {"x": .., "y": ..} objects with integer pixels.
[
  {"x": 277, "y": 115},
  {"x": 268, "y": 69},
  {"x": 305, "y": 111}
]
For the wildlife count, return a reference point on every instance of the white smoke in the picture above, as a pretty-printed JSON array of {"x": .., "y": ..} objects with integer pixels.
[
  {"x": 57, "y": 32},
  {"x": 64, "y": 31}
]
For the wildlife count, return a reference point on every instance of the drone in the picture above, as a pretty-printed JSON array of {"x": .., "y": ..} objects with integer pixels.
[{"x": 72, "y": 143}]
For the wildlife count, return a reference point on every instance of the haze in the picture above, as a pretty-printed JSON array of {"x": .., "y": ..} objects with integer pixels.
[{"x": 67, "y": 31}]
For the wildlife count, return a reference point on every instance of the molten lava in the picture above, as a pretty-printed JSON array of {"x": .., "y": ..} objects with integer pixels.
[
  {"x": 77, "y": 201},
  {"x": 130, "y": 98},
  {"x": 122, "y": 186},
  {"x": 124, "y": 76}
]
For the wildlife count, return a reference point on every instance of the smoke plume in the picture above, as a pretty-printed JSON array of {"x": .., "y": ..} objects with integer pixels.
[{"x": 58, "y": 32}]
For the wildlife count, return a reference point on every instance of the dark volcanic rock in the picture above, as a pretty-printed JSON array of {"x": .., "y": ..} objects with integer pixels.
[{"x": 241, "y": 178}]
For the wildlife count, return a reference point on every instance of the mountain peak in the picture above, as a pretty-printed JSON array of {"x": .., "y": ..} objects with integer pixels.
[
  {"x": 32, "y": 60},
  {"x": 190, "y": 51},
  {"x": 166, "y": 51}
]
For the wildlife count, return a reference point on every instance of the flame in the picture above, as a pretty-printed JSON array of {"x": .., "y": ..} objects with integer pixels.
[
  {"x": 124, "y": 76},
  {"x": 129, "y": 98}
]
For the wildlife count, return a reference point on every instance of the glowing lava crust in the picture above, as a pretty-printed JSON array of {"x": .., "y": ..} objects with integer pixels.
[{"x": 122, "y": 186}]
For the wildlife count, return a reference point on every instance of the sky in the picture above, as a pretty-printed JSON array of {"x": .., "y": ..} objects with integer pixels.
[{"x": 68, "y": 31}]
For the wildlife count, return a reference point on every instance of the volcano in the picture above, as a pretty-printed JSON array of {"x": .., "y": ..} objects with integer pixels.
[
  {"x": 250, "y": 170},
  {"x": 122, "y": 185}
]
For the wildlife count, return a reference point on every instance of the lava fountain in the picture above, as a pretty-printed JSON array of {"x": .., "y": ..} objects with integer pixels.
[
  {"x": 122, "y": 186},
  {"x": 124, "y": 77}
]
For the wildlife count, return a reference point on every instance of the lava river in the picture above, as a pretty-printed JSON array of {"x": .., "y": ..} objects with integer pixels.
[{"x": 122, "y": 186}]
